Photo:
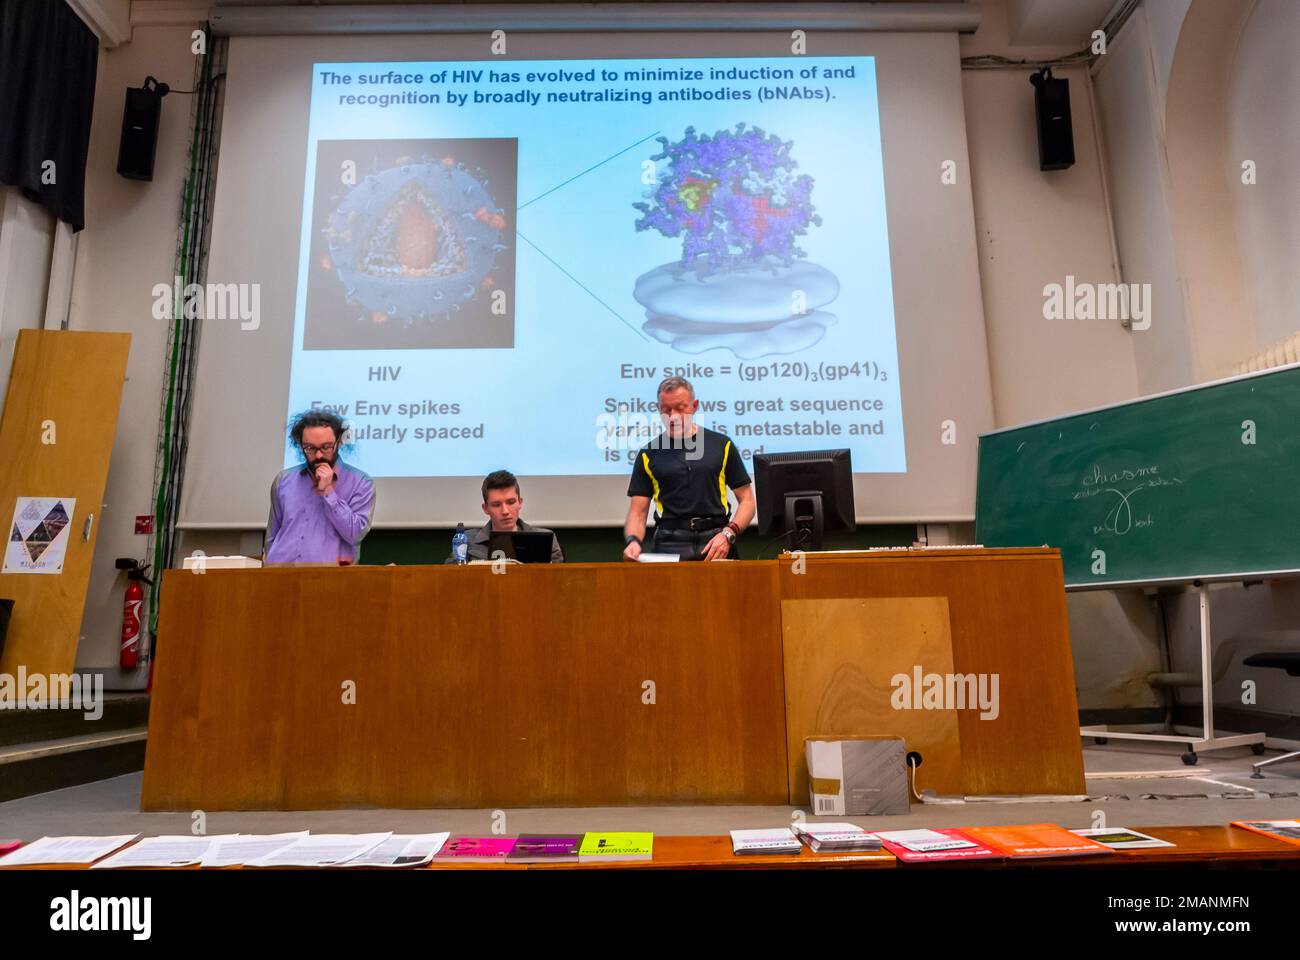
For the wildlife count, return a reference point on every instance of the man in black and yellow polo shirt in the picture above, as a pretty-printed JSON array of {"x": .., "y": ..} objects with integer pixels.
[{"x": 685, "y": 473}]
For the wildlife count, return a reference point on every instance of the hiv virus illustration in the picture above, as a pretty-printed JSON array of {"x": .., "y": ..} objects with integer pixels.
[
  {"x": 416, "y": 241},
  {"x": 733, "y": 197},
  {"x": 742, "y": 283}
]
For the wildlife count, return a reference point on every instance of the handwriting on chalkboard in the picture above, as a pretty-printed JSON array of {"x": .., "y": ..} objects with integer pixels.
[
  {"x": 1095, "y": 475},
  {"x": 1120, "y": 517}
]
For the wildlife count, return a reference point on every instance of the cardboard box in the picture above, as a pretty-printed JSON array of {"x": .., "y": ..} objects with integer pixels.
[{"x": 856, "y": 776}]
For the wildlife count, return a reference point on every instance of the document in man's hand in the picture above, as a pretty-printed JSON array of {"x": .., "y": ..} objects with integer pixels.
[{"x": 644, "y": 557}]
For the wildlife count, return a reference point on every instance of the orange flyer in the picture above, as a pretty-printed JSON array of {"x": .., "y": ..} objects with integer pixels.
[
  {"x": 1034, "y": 840},
  {"x": 1287, "y": 831}
]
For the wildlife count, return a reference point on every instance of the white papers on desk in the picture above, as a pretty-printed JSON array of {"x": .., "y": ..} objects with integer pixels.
[
  {"x": 924, "y": 841},
  {"x": 644, "y": 557},
  {"x": 65, "y": 850},
  {"x": 1122, "y": 838},
  {"x": 182, "y": 851},
  {"x": 776, "y": 840},
  {"x": 402, "y": 850},
  {"x": 201, "y": 563},
  {"x": 322, "y": 850},
  {"x": 243, "y": 847}
]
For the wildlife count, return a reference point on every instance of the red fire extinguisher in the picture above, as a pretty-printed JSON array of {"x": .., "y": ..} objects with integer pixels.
[{"x": 132, "y": 613}]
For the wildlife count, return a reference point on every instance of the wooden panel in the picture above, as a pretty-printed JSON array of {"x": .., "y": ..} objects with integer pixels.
[
  {"x": 73, "y": 379},
  {"x": 1008, "y": 616},
  {"x": 473, "y": 689},
  {"x": 840, "y": 656}
]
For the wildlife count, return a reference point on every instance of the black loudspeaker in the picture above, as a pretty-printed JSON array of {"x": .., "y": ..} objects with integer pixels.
[
  {"x": 143, "y": 110},
  {"x": 1052, "y": 108}
]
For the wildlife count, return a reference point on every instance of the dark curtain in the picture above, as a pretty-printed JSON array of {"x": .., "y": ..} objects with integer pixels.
[{"x": 47, "y": 91}]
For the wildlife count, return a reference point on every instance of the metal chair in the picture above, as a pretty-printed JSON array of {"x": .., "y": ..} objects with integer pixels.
[{"x": 1288, "y": 660}]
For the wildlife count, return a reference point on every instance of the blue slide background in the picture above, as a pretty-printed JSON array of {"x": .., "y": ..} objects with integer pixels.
[{"x": 578, "y": 256}]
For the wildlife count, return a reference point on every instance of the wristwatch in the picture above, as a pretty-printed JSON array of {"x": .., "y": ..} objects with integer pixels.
[
  {"x": 631, "y": 537},
  {"x": 729, "y": 533}
]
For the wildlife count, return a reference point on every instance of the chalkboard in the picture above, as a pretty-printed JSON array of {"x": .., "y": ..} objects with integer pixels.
[{"x": 1201, "y": 483}]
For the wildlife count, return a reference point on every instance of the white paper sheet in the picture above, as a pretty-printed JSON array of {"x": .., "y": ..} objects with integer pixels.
[
  {"x": 1143, "y": 841},
  {"x": 924, "y": 841},
  {"x": 322, "y": 850},
  {"x": 65, "y": 850},
  {"x": 180, "y": 851},
  {"x": 243, "y": 847},
  {"x": 402, "y": 850}
]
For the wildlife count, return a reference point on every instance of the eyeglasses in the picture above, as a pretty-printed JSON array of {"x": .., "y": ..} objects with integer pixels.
[{"x": 325, "y": 448}]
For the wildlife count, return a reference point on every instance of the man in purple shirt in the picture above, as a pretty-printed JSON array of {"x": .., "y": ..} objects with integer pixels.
[{"x": 321, "y": 510}]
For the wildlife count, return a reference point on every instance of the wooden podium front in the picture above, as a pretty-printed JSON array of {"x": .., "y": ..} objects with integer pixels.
[{"x": 580, "y": 684}]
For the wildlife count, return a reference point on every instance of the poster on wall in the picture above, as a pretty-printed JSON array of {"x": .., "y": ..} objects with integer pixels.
[{"x": 38, "y": 537}]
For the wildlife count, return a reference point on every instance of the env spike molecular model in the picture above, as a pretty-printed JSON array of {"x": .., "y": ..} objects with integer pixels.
[{"x": 742, "y": 283}]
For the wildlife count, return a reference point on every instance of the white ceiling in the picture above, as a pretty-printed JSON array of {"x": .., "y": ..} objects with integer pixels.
[{"x": 1033, "y": 23}]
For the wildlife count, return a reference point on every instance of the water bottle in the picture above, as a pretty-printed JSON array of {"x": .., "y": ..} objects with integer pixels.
[{"x": 460, "y": 544}]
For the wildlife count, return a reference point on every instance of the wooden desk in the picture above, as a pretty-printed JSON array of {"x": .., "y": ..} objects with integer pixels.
[
  {"x": 472, "y": 689},
  {"x": 532, "y": 687},
  {"x": 1196, "y": 847},
  {"x": 1003, "y": 612}
]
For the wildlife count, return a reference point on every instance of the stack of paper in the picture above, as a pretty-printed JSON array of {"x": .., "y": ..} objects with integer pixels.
[
  {"x": 777, "y": 840},
  {"x": 402, "y": 850},
  {"x": 920, "y": 846},
  {"x": 607, "y": 847},
  {"x": 478, "y": 848},
  {"x": 1287, "y": 831},
  {"x": 1121, "y": 838},
  {"x": 1033, "y": 840},
  {"x": 182, "y": 851},
  {"x": 241, "y": 848},
  {"x": 545, "y": 848},
  {"x": 321, "y": 850},
  {"x": 836, "y": 837},
  {"x": 65, "y": 850}
]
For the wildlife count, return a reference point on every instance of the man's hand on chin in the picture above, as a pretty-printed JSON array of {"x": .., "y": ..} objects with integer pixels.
[{"x": 324, "y": 476}]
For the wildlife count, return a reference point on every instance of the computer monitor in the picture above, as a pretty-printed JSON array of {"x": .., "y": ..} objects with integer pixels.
[{"x": 804, "y": 495}]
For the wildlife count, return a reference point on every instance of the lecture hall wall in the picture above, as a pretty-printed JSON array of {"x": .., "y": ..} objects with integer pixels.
[{"x": 1033, "y": 229}]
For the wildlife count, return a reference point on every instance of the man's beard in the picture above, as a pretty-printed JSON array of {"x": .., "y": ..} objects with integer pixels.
[{"x": 314, "y": 465}]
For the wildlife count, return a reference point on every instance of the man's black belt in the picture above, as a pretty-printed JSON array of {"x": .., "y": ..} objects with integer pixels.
[{"x": 690, "y": 524}]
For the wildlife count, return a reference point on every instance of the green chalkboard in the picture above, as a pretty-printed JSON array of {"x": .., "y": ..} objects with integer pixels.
[{"x": 1197, "y": 484}]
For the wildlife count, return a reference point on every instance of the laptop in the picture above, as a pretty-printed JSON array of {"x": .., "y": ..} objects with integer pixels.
[{"x": 526, "y": 546}]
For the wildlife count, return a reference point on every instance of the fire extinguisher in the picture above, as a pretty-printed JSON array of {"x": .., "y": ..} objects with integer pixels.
[{"x": 132, "y": 612}]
